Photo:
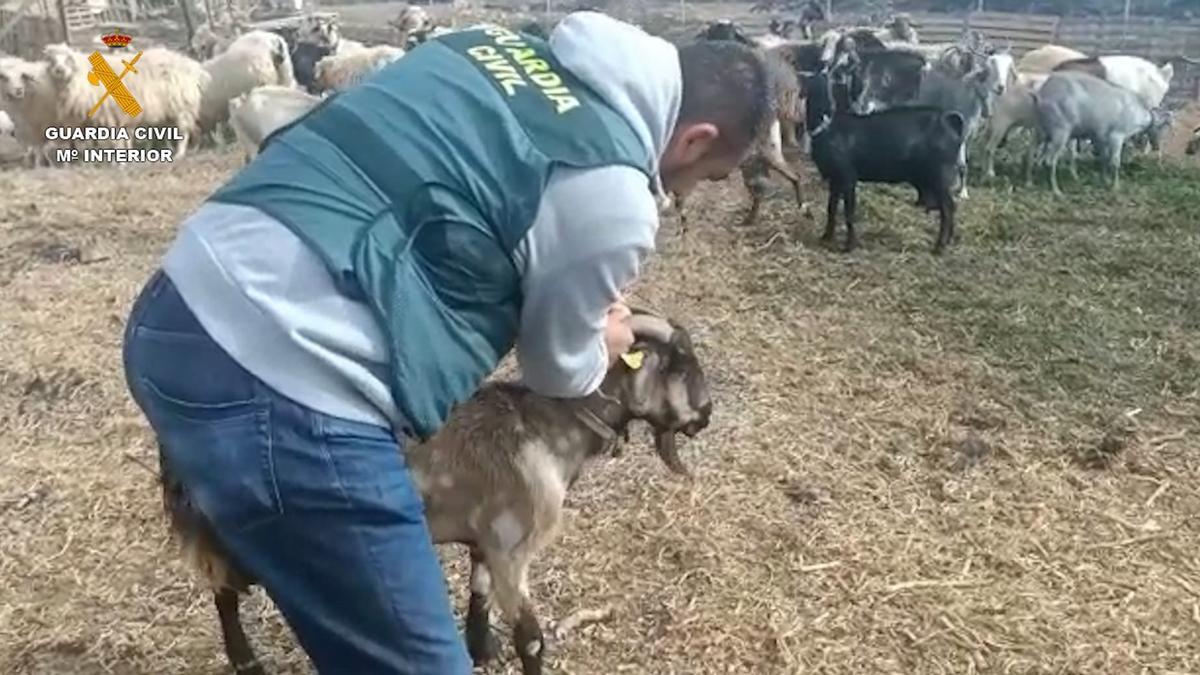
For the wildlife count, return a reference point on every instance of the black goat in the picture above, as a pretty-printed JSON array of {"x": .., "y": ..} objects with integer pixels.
[{"x": 914, "y": 145}]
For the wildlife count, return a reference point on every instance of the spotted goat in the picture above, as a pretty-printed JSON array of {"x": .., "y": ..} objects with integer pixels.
[{"x": 495, "y": 479}]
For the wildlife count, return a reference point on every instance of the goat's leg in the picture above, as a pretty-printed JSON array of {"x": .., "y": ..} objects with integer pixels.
[
  {"x": 1113, "y": 158},
  {"x": 946, "y": 233},
  {"x": 773, "y": 155},
  {"x": 510, "y": 587},
  {"x": 237, "y": 647},
  {"x": 1033, "y": 157},
  {"x": 831, "y": 213},
  {"x": 481, "y": 642},
  {"x": 961, "y": 165},
  {"x": 754, "y": 178},
  {"x": 787, "y": 130},
  {"x": 996, "y": 137},
  {"x": 849, "y": 198},
  {"x": 792, "y": 178},
  {"x": 1055, "y": 148}
]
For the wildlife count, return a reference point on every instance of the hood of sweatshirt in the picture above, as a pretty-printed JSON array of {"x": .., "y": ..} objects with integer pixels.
[{"x": 635, "y": 72}]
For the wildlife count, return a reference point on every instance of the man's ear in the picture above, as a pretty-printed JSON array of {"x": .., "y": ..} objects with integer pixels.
[{"x": 691, "y": 142}]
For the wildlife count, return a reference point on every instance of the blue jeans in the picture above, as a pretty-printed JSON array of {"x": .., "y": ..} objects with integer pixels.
[{"x": 321, "y": 511}]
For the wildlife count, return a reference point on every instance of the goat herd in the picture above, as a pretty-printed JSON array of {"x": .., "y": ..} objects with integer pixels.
[{"x": 876, "y": 105}]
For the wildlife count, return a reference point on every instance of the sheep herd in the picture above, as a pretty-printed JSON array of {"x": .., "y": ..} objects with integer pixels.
[
  {"x": 875, "y": 82},
  {"x": 194, "y": 92}
]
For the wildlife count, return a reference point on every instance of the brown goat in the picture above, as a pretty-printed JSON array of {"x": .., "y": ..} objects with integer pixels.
[
  {"x": 495, "y": 478},
  {"x": 787, "y": 112}
]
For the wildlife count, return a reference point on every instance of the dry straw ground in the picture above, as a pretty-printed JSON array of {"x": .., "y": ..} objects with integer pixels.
[{"x": 981, "y": 463}]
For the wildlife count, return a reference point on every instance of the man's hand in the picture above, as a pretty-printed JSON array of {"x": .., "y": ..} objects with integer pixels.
[{"x": 618, "y": 336}]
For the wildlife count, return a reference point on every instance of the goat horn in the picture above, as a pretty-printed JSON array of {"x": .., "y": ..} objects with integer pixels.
[{"x": 651, "y": 326}]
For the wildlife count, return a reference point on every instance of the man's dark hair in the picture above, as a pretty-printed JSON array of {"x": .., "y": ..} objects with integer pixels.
[{"x": 725, "y": 83}]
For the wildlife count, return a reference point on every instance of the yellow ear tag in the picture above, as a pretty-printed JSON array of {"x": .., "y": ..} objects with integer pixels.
[{"x": 633, "y": 359}]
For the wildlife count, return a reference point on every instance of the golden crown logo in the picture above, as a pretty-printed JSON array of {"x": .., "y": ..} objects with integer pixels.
[{"x": 116, "y": 39}]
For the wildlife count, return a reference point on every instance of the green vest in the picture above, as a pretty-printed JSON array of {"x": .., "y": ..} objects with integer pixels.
[{"x": 416, "y": 186}]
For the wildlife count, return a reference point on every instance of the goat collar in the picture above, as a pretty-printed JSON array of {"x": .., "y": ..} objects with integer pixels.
[
  {"x": 826, "y": 121},
  {"x": 598, "y": 423}
]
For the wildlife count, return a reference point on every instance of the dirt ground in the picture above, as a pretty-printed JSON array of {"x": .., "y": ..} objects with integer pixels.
[{"x": 984, "y": 462}]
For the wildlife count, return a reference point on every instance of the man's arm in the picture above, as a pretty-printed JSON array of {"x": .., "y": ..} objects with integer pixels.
[{"x": 585, "y": 248}]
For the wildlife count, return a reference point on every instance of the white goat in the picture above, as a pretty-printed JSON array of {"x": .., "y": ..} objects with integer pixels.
[
  {"x": 1148, "y": 81},
  {"x": 258, "y": 113},
  {"x": 337, "y": 72},
  {"x": 254, "y": 59},
  {"x": 30, "y": 99},
  {"x": 1013, "y": 110}
]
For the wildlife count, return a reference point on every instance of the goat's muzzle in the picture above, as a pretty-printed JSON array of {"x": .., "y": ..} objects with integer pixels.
[
  {"x": 664, "y": 440},
  {"x": 664, "y": 445}
]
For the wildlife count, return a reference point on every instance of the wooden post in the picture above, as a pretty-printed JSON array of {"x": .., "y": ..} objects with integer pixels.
[
  {"x": 187, "y": 19},
  {"x": 62, "y": 19}
]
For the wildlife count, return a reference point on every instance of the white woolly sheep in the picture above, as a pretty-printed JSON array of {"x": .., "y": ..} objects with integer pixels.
[
  {"x": 337, "y": 72},
  {"x": 254, "y": 59},
  {"x": 168, "y": 86},
  {"x": 30, "y": 99},
  {"x": 255, "y": 115},
  {"x": 75, "y": 96}
]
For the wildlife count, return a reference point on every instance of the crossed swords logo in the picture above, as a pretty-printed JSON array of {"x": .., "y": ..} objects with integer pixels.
[{"x": 102, "y": 74}]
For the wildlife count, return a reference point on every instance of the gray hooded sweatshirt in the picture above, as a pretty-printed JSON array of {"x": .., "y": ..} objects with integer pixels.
[{"x": 272, "y": 305}]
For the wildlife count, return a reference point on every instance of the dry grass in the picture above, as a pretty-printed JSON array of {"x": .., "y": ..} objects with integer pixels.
[{"x": 981, "y": 463}]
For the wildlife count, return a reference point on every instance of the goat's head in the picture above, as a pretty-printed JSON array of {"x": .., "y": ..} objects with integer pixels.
[
  {"x": 1002, "y": 71},
  {"x": 16, "y": 76},
  {"x": 724, "y": 29},
  {"x": 64, "y": 62},
  {"x": 661, "y": 381},
  {"x": 411, "y": 19},
  {"x": 322, "y": 31},
  {"x": 902, "y": 27},
  {"x": 839, "y": 52},
  {"x": 781, "y": 27},
  {"x": 1161, "y": 120}
]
